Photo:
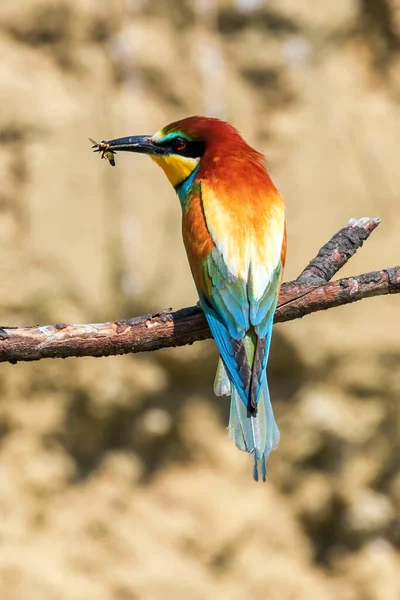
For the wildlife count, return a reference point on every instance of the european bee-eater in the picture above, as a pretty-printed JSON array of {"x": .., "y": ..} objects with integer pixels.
[{"x": 233, "y": 225}]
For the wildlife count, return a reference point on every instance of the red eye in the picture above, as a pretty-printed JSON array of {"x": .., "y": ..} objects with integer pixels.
[{"x": 179, "y": 144}]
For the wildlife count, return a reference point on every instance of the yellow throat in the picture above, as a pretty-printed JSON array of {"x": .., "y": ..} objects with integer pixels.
[{"x": 176, "y": 168}]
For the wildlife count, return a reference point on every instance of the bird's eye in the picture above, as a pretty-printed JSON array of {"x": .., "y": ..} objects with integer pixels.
[{"x": 179, "y": 144}]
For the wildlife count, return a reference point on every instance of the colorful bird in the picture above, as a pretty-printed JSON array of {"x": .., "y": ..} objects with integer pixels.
[{"x": 233, "y": 225}]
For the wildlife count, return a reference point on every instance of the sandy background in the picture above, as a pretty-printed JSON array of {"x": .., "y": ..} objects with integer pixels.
[{"x": 117, "y": 480}]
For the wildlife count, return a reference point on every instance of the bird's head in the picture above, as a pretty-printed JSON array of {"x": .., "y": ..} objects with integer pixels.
[{"x": 180, "y": 147}]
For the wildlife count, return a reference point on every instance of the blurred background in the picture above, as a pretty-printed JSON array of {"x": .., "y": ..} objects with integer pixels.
[{"x": 117, "y": 478}]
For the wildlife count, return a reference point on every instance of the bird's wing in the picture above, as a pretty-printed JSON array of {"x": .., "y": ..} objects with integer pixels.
[
  {"x": 225, "y": 304},
  {"x": 238, "y": 283}
]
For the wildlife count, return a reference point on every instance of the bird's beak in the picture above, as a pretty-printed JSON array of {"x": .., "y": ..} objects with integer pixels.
[{"x": 142, "y": 144}]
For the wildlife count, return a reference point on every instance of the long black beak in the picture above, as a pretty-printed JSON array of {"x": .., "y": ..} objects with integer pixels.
[{"x": 136, "y": 143}]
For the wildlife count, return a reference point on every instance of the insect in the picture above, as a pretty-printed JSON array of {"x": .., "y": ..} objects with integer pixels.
[{"x": 104, "y": 148}]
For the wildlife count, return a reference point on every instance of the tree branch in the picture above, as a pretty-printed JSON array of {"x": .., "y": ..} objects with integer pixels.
[
  {"x": 312, "y": 291},
  {"x": 335, "y": 253}
]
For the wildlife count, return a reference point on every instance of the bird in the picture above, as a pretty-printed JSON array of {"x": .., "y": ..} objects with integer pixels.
[{"x": 234, "y": 232}]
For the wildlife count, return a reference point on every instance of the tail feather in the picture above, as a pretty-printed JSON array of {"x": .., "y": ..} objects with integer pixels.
[
  {"x": 235, "y": 430},
  {"x": 240, "y": 428},
  {"x": 259, "y": 434},
  {"x": 222, "y": 383}
]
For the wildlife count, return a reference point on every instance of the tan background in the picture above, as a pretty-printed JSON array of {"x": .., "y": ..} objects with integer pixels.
[{"x": 117, "y": 480}]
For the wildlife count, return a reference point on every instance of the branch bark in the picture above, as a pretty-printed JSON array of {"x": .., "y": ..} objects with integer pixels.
[{"x": 312, "y": 291}]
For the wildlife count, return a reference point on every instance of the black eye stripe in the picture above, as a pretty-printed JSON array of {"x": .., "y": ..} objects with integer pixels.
[{"x": 192, "y": 149}]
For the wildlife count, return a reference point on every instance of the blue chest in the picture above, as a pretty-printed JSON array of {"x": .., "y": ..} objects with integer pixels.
[{"x": 183, "y": 188}]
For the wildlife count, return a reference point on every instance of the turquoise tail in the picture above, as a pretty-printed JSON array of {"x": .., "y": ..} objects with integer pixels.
[{"x": 258, "y": 435}]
